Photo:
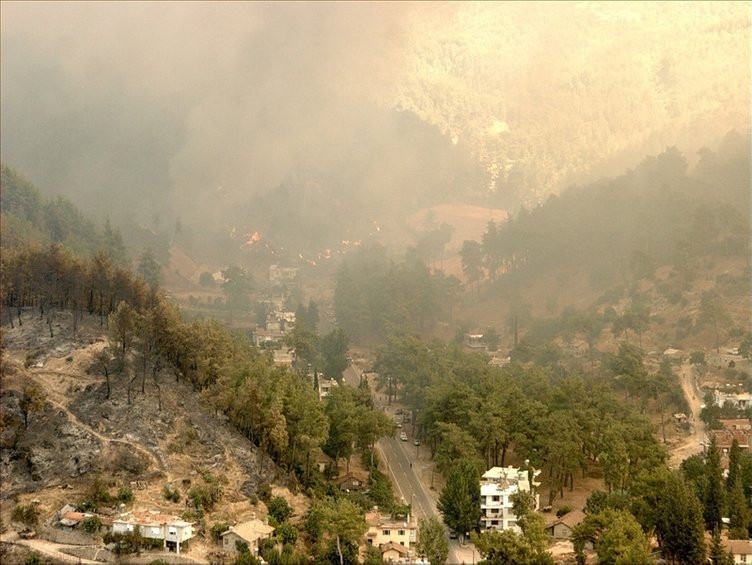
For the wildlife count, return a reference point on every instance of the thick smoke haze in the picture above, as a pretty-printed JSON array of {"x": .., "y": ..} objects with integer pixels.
[{"x": 196, "y": 109}]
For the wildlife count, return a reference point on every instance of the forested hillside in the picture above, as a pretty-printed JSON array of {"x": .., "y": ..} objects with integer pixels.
[
  {"x": 622, "y": 229},
  {"x": 28, "y": 219}
]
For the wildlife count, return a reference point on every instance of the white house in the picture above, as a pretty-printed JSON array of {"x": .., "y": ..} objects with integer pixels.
[
  {"x": 497, "y": 486},
  {"x": 326, "y": 386},
  {"x": 151, "y": 524},
  {"x": 742, "y": 400}
]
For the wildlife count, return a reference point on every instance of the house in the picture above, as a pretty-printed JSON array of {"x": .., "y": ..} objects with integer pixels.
[
  {"x": 562, "y": 527},
  {"x": 72, "y": 519},
  {"x": 497, "y": 486},
  {"x": 154, "y": 525},
  {"x": 266, "y": 338},
  {"x": 279, "y": 274},
  {"x": 350, "y": 482},
  {"x": 323, "y": 462},
  {"x": 326, "y": 386},
  {"x": 671, "y": 353},
  {"x": 283, "y": 358},
  {"x": 742, "y": 400},
  {"x": 736, "y": 424},
  {"x": 250, "y": 533},
  {"x": 393, "y": 536},
  {"x": 724, "y": 438},
  {"x": 394, "y": 553},
  {"x": 740, "y": 549},
  {"x": 475, "y": 341}
]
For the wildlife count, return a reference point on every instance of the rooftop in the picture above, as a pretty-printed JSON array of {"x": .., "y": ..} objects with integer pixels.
[{"x": 251, "y": 530}]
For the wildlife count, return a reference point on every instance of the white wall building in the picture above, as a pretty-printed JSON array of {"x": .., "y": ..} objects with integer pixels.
[
  {"x": 742, "y": 400},
  {"x": 326, "y": 386},
  {"x": 497, "y": 486},
  {"x": 171, "y": 529}
]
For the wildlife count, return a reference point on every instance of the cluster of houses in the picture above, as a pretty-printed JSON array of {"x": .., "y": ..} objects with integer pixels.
[{"x": 172, "y": 530}]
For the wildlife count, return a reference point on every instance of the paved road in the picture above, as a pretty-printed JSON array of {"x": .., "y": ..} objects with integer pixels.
[{"x": 399, "y": 456}]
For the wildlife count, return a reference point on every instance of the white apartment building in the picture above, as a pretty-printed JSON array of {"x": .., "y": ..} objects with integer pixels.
[{"x": 497, "y": 486}]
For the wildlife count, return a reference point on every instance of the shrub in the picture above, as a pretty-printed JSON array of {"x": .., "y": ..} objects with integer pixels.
[
  {"x": 91, "y": 524},
  {"x": 125, "y": 494},
  {"x": 265, "y": 491},
  {"x": 217, "y": 530},
  {"x": 170, "y": 494},
  {"x": 563, "y": 510},
  {"x": 279, "y": 509},
  {"x": 97, "y": 496},
  {"x": 204, "y": 497},
  {"x": 287, "y": 534},
  {"x": 27, "y": 514},
  {"x": 33, "y": 559}
]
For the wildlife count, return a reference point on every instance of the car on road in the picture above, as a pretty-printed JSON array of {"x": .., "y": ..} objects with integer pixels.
[
  {"x": 416, "y": 442},
  {"x": 403, "y": 436}
]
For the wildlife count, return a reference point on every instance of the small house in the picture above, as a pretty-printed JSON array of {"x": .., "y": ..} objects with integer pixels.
[
  {"x": 70, "y": 520},
  {"x": 740, "y": 549},
  {"x": 350, "y": 482},
  {"x": 562, "y": 528},
  {"x": 394, "y": 553},
  {"x": 250, "y": 533}
]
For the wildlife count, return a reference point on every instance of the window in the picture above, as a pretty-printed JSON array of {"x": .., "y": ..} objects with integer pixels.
[
  {"x": 400, "y": 532},
  {"x": 494, "y": 522},
  {"x": 496, "y": 499},
  {"x": 156, "y": 531},
  {"x": 386, "y": 532},
  {"x": 743, "y": 558}
]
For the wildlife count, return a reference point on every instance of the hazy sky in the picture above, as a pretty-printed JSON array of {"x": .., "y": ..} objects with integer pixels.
[{"x": 129, "y": 105}]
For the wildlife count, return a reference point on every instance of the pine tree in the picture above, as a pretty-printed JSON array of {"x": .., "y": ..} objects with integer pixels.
[
  {"x": 679, "y": 523},
  {"x": 718, "y": 556},
  {"x": 738, "y": 513},
  {"x": 459, "y": 502},
  {"x": 713, "y": 501},
  {"x": 734, "y": 466}
]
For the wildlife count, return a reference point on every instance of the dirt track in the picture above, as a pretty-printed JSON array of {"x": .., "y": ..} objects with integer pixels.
[{"x": 693, "y": 444}]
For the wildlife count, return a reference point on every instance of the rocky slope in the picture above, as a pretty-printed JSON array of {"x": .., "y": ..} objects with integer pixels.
[{"x": 74, "y": 433}]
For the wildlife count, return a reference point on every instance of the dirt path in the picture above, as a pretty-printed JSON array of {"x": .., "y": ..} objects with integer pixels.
[
  {"x": 52, "y": 393},
  {"x": 43, "y": 546},
  {"x": 693, "y": 444}
]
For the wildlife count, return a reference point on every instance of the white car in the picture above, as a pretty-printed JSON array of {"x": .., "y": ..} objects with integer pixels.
[{"x": 403, "y": 436}]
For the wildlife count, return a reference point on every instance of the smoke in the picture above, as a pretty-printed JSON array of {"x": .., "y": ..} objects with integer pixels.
[
  {"x": 197, "y": 109},
  {"x": 198, "y": 104}
]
